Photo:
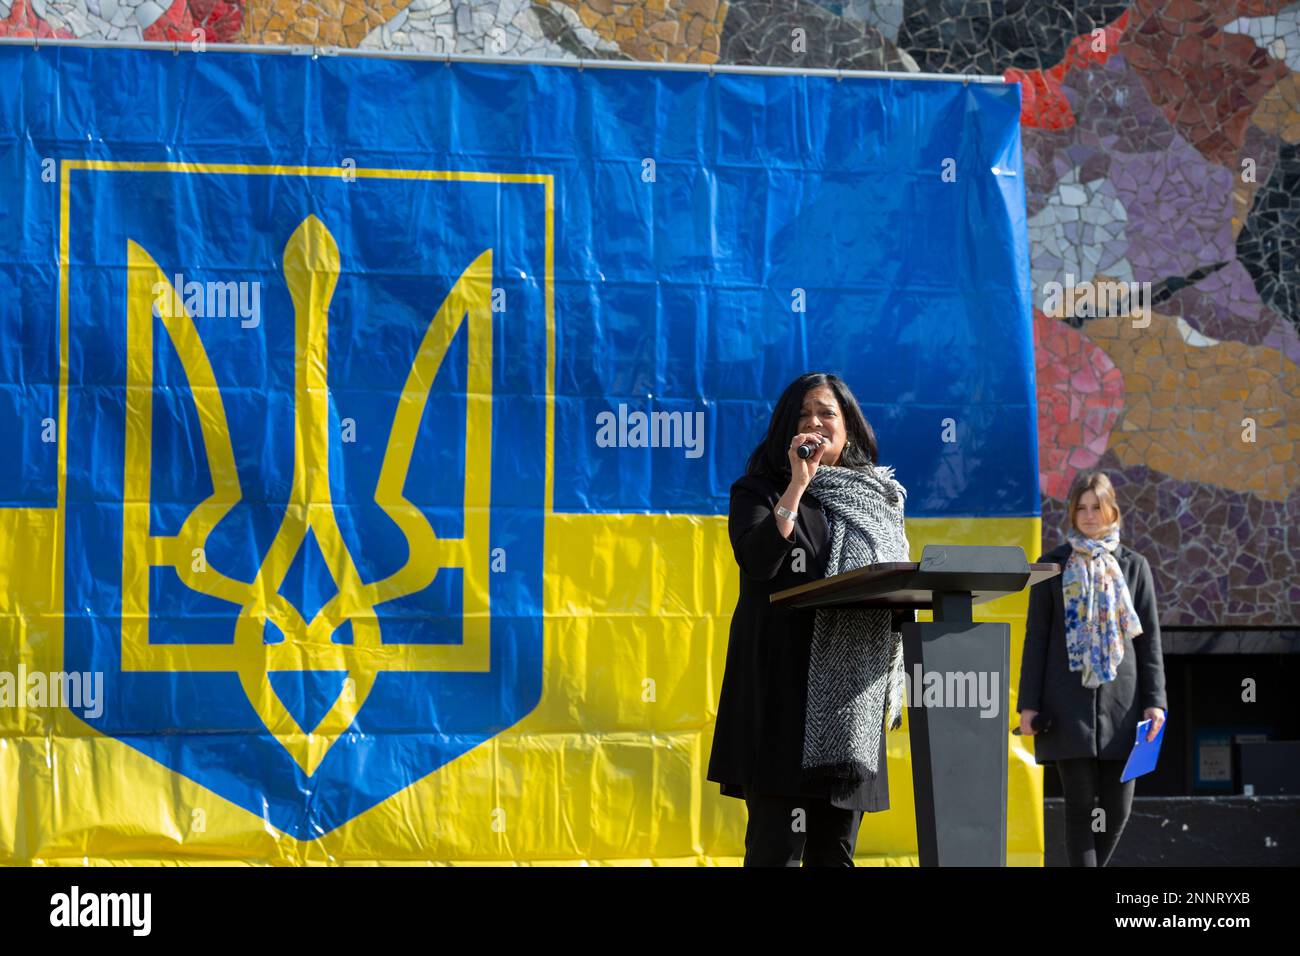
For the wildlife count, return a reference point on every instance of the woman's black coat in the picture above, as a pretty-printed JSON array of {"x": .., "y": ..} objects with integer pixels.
[
  {"x": 758, "y": 740},
  {"x": 1099, "y": 722}
]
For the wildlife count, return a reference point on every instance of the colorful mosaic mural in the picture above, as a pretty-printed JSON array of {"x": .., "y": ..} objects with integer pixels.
[{"x": 1162, "y": 149}]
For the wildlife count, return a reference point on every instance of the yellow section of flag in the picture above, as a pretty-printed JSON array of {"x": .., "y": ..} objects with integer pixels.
[{"x": 609, "y": 768}]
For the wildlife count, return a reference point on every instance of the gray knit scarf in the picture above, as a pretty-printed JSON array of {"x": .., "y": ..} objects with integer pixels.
[{"x": 856, "y": 662}]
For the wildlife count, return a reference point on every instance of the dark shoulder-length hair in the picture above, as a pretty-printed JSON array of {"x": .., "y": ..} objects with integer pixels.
[{"x": 769, "y": 458}]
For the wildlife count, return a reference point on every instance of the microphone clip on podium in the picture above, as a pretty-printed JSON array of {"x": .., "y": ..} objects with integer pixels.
[{"x": 959, "y": 756}]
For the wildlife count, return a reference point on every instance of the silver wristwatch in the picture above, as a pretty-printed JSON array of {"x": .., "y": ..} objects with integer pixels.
[{"x": 784, "y": 512}]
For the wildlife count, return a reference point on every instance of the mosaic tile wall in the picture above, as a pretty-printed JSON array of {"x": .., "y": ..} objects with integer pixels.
[{"x": 1162, "y": 145}]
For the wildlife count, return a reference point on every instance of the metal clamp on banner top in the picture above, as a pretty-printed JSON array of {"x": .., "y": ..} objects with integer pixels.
[{"x": 303, "y": 49}]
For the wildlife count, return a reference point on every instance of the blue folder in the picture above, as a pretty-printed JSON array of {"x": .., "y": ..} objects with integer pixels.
[{"x": 1143, "y": 758}]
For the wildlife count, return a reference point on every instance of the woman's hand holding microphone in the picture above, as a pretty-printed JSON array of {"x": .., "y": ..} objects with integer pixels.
[
  {"x": 801, "y": 475},
  {"x": 803, "y": 469}
]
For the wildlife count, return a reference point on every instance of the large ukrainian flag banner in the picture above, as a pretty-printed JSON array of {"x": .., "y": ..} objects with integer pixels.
[{"x": 313, "y": 547}]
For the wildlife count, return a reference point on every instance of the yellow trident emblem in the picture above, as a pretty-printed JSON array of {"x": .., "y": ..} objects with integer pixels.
[{"x": 311, "y": 269}]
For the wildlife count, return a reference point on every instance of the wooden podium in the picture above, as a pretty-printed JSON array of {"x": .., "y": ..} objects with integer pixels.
[{"x": 959, "y": 751}]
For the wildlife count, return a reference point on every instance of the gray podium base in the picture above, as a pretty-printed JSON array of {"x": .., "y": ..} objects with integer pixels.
[{"x": 959, "y": 759}]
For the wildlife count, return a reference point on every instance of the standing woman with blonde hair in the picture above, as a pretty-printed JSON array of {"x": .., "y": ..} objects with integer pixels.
[{"x": 1092, "y": 666}]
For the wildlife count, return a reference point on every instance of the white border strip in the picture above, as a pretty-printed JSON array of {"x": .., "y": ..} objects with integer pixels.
[{"x": 177, "y": 47}]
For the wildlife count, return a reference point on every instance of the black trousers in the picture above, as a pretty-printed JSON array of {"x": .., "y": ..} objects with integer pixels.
[
  {"x": 1090, "y": 839},
  {"x": 784, "y": 830}
]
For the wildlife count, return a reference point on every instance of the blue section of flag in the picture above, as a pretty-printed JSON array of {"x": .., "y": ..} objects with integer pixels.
[{"x": 674, "y": 281}]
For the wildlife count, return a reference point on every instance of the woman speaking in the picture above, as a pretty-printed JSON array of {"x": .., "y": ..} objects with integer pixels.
[
  {"x": 1092, "y": 666},
  {"x": 807, "y": 694}
]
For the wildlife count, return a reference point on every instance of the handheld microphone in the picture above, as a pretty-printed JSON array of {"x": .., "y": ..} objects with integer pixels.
[{"x": 806, "y": 451}]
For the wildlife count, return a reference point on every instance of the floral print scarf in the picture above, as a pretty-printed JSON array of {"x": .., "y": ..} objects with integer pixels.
[{"x": 1098, "y": 607}]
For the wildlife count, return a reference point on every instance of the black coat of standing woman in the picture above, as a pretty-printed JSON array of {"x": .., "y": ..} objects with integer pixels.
[
  {"x": 758, "y": 740},
  {"x": 1093, "y": 666}
]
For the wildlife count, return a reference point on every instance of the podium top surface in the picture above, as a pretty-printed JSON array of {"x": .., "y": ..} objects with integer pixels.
[{"x": 902, "y": 584}]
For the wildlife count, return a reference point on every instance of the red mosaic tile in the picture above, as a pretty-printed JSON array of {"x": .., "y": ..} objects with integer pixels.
[
  {"x": 220, "y": 21},
  {"x": 1205, "y": 81},
  {"x": 1080, "y": 396},
  {"x": 1043, "y": 103},
  {"x": 23, "y": 22}
]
